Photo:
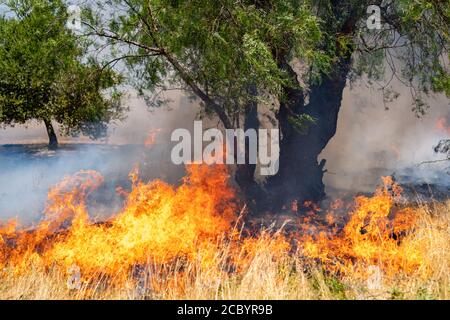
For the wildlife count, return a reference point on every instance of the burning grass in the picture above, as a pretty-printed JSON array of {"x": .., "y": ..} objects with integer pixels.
[{"x": 189, "y": 242}]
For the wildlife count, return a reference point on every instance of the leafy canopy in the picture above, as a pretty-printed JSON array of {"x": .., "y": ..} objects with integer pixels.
[
  {"x": 230, "y": 52},
  {"x": 45, "y": 75},
  {"x": 217, "y": 49}
]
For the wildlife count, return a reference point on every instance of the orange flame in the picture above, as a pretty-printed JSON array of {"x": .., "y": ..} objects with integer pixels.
[
  {"x": 370, "y": 237},
  {"x": 442, "y": 126},
  {"x": 151, "y": 138},
  {"x": 160, "y": 223}
]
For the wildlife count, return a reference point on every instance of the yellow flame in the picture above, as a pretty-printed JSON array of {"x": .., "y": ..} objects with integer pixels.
[{"x": 160, "y": 223}]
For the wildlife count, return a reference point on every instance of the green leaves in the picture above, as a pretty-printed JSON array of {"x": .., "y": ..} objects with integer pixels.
[
  {"x": 44, "y": 75},
  {"x": 261, "y": 63},
  {"x": 217, "y": 49},
  {"x": 224, "y": 47},
  {"x": 302, "y": 122},
  {"x": 412, "y": 47}
]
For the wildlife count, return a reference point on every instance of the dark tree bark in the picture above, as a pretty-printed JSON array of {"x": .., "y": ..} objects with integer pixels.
[
  {"x": 245, "y": 173},
  {"x": 52, "y": 138},
  {"x": 300, "y": 175}
]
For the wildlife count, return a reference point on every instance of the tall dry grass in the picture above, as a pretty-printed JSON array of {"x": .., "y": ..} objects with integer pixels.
[{"x": 266, "y": 274}]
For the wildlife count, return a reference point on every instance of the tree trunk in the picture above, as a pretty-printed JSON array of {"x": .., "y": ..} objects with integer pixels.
[
  {"x": 52, "y": 138},
  {"x": 245, "y": 173},
  {"x": 300, "y": 175}
]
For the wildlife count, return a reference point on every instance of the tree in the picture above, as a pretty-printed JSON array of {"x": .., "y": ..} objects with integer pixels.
[
  {"x": 411, "y": 47},
  {"x": 45, "y": 74},
  {"x": 234, "y": 55},
  {"x": 223, "y": 54}
]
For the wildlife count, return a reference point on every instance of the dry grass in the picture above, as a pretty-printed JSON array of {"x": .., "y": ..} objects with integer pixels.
[{"x": 266, "y": 274}]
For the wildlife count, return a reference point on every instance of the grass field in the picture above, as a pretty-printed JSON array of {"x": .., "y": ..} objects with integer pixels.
[{"x": 269, "y": 272}]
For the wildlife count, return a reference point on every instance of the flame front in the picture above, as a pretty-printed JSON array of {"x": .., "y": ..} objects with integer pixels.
[
  {"x": 198, "y": 223},
  {"x": 158, "y": 223},
  {"x": 375, "y": 234}
]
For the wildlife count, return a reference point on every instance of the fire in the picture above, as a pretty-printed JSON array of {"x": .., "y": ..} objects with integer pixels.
[
  {"x": 151, "y": 138},
  {"x": 442, "y": 125},
  {"x": 373, "y": 236},
  {"x": 198, "y": 222},
  {"x": 158, "y": 223}
]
